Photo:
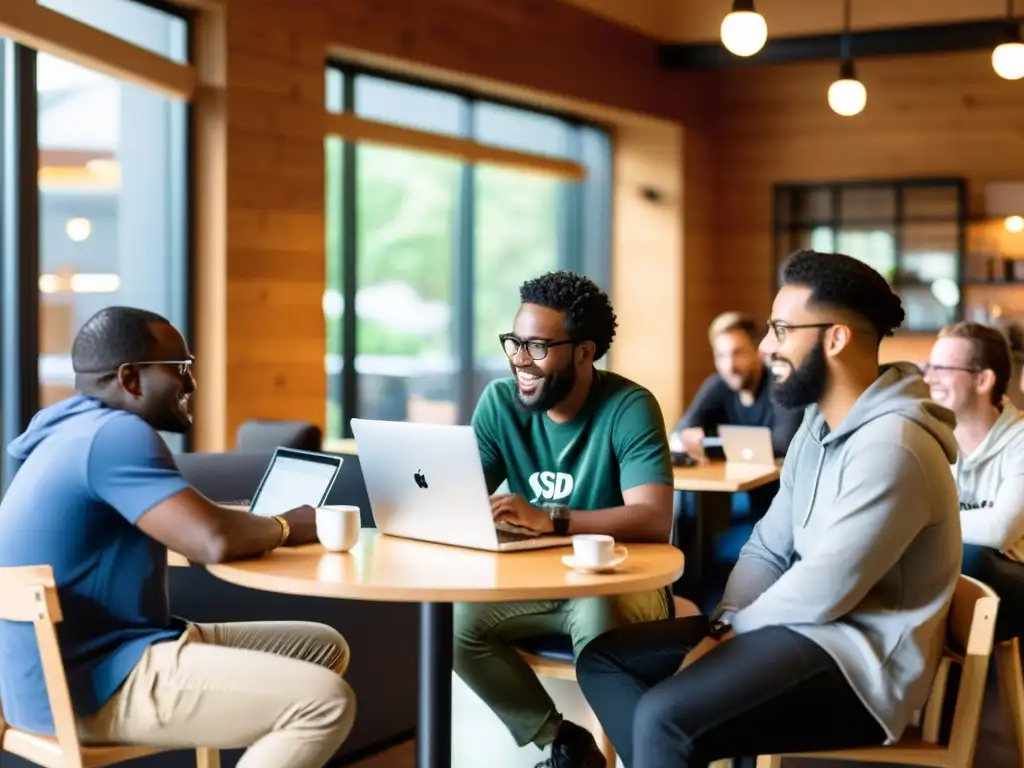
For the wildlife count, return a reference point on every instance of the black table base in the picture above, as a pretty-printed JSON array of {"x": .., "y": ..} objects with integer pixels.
[{"x": 434, "y": 723}]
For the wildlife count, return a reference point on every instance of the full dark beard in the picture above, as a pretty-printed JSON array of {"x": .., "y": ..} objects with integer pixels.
[
  {"x": 805, "y": 384},
  {"x": 553, "y": 390}
]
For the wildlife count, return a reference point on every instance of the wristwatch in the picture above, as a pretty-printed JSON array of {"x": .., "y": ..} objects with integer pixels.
[
  {"x": 559, "y": 514},
  {"x": 720, "y": 625}
]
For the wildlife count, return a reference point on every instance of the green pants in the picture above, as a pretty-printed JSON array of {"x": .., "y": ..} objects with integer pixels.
[{"x": 486, "y": 661}]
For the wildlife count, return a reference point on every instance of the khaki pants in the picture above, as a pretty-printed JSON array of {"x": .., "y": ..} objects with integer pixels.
[{"x": 274, "y": 687}]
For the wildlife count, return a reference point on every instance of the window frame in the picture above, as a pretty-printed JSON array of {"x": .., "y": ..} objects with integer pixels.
[{"x": 570, "y": 232}]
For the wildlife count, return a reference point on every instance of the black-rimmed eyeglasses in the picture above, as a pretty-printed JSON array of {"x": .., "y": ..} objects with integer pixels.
[
  {"x": 537, "y": 349},
  {"x": 780, "y": 329}
]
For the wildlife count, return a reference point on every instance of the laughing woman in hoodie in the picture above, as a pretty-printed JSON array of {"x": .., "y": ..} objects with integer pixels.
[{"x": 969, "y": 370}]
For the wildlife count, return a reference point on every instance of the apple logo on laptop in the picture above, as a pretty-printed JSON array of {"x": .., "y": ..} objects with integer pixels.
[
  {"x": 421, "y": 481},
  {"x": 747, "y": 454}
]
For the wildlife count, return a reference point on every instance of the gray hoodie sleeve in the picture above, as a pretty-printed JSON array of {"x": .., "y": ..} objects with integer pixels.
[
  {"x": 878, "y": 511},
  {"x": 766, "y": 555}
]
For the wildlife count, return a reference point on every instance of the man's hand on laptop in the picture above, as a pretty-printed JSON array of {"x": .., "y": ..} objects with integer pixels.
[
  {"x": 512, "y": 509},
  {"x": 302, "y": 524}
]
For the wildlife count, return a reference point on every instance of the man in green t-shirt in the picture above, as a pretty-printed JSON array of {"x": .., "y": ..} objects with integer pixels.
[{"x": 582, "y": 451}]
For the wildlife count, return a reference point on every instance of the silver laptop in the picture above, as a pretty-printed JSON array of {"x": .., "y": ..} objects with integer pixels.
[
  {"x": 426, "y": 482},
  {"x": 294, "y": 478},
  {"x": 747, "y": 445}
]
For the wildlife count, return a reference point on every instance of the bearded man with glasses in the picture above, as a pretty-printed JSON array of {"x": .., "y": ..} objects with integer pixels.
[
  {"x": 99, "y": 498},
  {"x": 583, "y": 451}
]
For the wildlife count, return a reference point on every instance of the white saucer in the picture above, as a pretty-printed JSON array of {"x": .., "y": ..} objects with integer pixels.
[{"x": 611, "y": 565}]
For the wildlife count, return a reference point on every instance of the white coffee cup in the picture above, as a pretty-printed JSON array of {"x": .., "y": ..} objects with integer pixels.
[
  {"x": 595, "y": 549},
  {"x": 337, "y": 527}
]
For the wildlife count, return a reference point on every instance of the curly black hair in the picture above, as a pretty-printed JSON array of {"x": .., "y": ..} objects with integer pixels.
[
  {"x": 843, "y": 282},
  {"x": 588, "y": 312}
]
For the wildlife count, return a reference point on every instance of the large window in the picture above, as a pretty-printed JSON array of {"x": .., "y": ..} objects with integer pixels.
[
  {"x": 100, "y": 165},
  {"x": 912, "y": 232},
  {"x": 425, "y": 254}
]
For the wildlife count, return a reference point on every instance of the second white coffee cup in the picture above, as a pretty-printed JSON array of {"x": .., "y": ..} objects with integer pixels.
[
  {"x": 337, "y": 527},
  {"x": 595, "y": 549}
]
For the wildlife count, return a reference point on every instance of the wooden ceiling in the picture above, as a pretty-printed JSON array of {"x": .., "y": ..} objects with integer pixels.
[{"x": 699, "y": 20}]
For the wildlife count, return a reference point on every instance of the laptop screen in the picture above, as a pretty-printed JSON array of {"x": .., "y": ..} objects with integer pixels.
[{"x": 295, "y": 478}]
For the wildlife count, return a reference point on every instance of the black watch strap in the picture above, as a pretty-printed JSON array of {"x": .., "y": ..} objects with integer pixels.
[{"x": 559, "y": 514}]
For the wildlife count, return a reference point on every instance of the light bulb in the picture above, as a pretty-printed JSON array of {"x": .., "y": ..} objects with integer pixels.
[
  {"x": 744, "y": 32},
  {"x": 1014, "y": 224},
  {"x": 1008, "y": 60},
  {"x": 847, "y": 96}
]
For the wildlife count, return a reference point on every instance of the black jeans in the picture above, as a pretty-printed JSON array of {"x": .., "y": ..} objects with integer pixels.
[{"x": 764, "y": 692}]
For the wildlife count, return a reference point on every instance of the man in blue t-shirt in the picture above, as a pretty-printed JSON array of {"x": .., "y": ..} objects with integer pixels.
[{"x": 98, "y": 497}]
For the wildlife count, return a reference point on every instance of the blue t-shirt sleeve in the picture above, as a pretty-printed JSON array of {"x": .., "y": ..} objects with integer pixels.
[
  {"x": 641, "y": 444},
  {"x": 131, "y": 468}
]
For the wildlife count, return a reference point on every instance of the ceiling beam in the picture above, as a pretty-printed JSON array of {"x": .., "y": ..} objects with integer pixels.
[{"x": 905, "y": 41}]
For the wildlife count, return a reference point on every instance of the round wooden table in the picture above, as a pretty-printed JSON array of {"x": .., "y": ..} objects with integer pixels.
[{"x": 392, "y": 569}]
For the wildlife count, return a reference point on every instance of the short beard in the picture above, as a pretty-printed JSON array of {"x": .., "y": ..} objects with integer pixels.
[
  {"x": 554, "y": 389},
  {"x": 806, "y": 384}
]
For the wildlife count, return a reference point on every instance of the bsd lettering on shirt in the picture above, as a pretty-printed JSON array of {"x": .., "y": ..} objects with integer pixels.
[{"x": 550, "y": 486}]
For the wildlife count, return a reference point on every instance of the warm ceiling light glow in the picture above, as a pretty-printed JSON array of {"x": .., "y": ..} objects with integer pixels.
[
  {"x": 78, "y": 229},
  {"x": 744, "y": 31},
  {"x": 847, "y": 96},
  {"x": 95, "y": 282},
  {"x": 49, "y": 284},
  {"x": 1008, "y": 60},
  {"x": 1014, "y": 224},
  {"x": 105, "y": 170}
]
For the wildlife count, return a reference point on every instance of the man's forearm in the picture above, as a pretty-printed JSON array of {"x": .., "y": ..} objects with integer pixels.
[
  {"x": 243, "y": 534},
  {"x": 631, "y": 522}
]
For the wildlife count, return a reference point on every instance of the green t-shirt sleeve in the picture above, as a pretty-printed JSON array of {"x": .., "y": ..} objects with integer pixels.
[
  {"x": 641, "y": 444},
  {"x": 486, "y": 424}
]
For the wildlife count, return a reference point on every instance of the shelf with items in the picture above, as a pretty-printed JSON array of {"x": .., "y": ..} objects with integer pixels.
[{"x": 995, "y": 253}]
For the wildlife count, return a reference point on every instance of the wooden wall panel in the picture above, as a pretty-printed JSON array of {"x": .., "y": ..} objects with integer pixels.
[
  {"x": 937, "y": 115},
  {"x": 275, "y": 226}
]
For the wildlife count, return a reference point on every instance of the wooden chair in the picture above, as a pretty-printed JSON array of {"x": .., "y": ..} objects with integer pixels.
[
  {"x": 29, "y": 594},
  {"x": 1011, "y": 690},
  {"x": 552, "y": 656},
  {"x": 972, "y": 620}
]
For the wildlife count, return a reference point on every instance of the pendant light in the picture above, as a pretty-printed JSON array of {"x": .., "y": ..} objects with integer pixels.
[
  {"x": 744, "y": 31},
  {"x": 847, "y": 96},
  {"x": 1008, "y": 57}
]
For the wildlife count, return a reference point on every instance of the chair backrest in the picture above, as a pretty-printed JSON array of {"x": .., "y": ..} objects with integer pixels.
[
  {"x": 29, "y": 594},
  {"x": 971, "y": 628},
  {"x": 264, "y": 435}
]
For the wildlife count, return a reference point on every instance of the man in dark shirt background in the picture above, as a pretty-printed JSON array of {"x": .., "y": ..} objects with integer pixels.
[{"x": 738, "y": 393}]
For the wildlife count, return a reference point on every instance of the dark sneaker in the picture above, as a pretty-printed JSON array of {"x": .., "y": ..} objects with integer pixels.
[{"x": 574, "y": 747}]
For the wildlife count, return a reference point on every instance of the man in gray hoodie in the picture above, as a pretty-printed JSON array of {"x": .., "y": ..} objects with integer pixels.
[{"x": 832, "y": 622}]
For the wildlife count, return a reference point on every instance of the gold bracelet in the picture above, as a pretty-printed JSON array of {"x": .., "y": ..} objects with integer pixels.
[{"x": 286, "y": 530}]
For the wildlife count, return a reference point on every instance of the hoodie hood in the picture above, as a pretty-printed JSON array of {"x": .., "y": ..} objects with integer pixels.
[
  {"x": 1008, "y": 428},
  {"x": 48, "y": 420},
  {"x": 900, "y": 389}
]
